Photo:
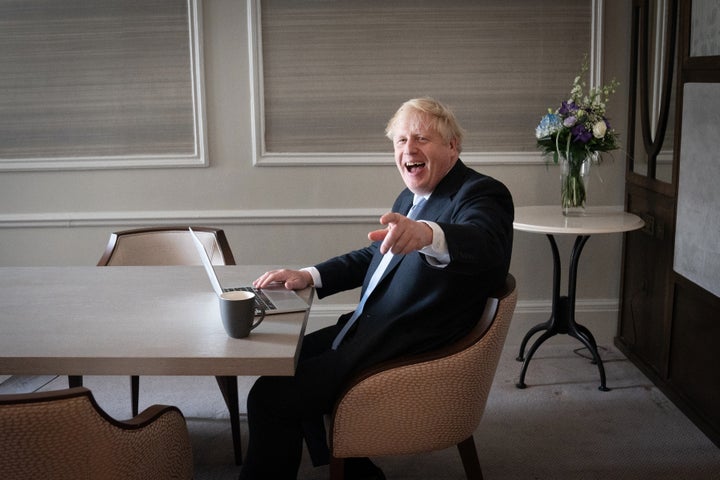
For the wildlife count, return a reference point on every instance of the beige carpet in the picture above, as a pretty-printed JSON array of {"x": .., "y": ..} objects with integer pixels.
[{"x": 560, "y": 427}]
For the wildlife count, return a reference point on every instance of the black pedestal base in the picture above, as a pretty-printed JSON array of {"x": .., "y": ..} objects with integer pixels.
[{"x": 562, "y": 319}]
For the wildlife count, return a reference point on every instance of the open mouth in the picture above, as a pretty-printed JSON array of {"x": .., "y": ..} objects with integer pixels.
[{"x": 412, "y": 166}]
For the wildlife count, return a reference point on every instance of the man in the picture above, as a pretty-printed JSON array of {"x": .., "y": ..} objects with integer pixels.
[{"x": 432, "y": 278}]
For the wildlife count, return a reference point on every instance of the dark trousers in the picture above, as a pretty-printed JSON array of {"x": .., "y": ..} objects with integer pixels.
[{"x": 282, "y": 410}]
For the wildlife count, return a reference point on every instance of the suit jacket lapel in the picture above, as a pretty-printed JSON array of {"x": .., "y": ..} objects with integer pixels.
[{"x": 444, "y": 192}]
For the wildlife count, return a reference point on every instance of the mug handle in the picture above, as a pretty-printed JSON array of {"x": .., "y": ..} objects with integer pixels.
[{"x": 259, "y": 319}]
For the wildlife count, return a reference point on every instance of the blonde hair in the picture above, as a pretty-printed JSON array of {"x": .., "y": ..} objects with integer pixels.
[{"x": 442, "y": 119}]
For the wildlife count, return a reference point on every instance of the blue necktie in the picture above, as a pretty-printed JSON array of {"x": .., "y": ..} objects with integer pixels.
[{"x": 377, "y": 275}]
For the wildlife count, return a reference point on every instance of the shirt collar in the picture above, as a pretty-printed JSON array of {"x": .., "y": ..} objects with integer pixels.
[{"x": 416, "y": 198}]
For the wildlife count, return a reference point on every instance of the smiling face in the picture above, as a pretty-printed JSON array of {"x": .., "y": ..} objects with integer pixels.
[{"x": 422, "y": 155}]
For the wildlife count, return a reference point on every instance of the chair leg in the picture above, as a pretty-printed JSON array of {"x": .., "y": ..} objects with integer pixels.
[
  {"x": 468, "y": 454},
  {"x": 135, "y": 394},
  {"x": 75, "y": 381},
  {"x": 337, "y": 468},
  {"x": 228, "y": 387}
]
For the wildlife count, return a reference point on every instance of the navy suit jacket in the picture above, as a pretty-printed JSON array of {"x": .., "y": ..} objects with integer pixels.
[{"x": 416, "y": 306}]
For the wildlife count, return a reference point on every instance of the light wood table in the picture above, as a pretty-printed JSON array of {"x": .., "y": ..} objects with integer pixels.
[
  {"x": 138, "y": 321},
  {"x": 135, "y": 321},
  {"x": 550, "y": 221}
]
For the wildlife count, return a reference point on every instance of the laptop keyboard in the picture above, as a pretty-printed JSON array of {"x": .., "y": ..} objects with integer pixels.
[{"x": 261, "y": 300}]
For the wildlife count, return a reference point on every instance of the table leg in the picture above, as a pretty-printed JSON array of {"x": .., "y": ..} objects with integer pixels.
[
  {"x": 537, "y": 328},
  {"x": 228, "y": 387},
  {"x": 562, "y": 318},
  {"x": 553, "y": 324},
  {"x": 75, "y": 381}
]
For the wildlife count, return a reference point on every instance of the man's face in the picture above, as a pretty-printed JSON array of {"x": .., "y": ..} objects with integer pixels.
[{"x": 421, "y": 154}]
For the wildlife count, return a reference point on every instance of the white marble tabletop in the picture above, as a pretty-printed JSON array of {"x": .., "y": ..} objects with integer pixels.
[{"x": 549, "y": 219}]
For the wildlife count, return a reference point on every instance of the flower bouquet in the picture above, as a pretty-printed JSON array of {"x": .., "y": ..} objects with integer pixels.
[{"x": 574, "y": 134}]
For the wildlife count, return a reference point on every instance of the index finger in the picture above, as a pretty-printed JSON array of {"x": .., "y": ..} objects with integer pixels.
[{"x": 390, "y": 218}]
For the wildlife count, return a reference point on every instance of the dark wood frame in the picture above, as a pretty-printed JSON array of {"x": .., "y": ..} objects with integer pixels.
[{"x": 668, "y": 325}]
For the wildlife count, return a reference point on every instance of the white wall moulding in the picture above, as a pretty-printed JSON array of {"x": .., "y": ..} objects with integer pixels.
[
  {"x": 539, "y": 307},
  {"x": 102, "y": 84},
  {"x": 597, "y": 313},
  {"x": 173, "y": 217},
  {"x": 386, "y": 159},
  {"x": 499, "y": 65}
]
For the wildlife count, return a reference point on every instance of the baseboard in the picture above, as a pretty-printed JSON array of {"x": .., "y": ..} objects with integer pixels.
[{"x": 14, "y": 384}]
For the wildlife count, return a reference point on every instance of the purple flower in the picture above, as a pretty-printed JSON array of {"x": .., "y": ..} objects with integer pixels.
[
  {"x": 581, "y": 134},
  {"x": 570, "y": 121},
  {"x": 568, "y": 108}
]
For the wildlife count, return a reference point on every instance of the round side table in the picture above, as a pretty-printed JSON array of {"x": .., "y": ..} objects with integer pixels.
[{"x": 549, "y": 220}]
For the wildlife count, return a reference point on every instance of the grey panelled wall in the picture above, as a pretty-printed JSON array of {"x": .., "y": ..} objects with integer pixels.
[
  {"x": 330, "y": 68},
  {"x": 297, "y": 214},
  {"x": 697, "y": 252}
]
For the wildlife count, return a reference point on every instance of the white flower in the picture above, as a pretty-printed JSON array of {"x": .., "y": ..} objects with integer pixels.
[{"x": 599, "y": 129}]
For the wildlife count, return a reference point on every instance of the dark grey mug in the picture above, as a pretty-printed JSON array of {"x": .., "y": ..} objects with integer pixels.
[{"x": 237, "y": 310}]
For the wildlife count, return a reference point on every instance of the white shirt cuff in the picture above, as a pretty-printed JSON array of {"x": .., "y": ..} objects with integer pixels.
[
  {"x": 317, "y": 281},
  {"x": 437, "y": 252}
]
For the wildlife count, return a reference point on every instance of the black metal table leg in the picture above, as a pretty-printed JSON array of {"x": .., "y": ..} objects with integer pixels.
[
  {"x": 537, "y": 328},
  {"x": 562, "y": 318}
]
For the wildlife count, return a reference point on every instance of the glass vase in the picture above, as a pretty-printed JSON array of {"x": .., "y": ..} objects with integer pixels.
[{"x": 574, "y": 178}]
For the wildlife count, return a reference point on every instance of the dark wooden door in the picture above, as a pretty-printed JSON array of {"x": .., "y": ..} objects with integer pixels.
[{"x": 669, "y": 323}]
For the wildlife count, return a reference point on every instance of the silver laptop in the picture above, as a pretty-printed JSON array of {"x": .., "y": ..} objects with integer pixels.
[{"x": 273, "y": 300}]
